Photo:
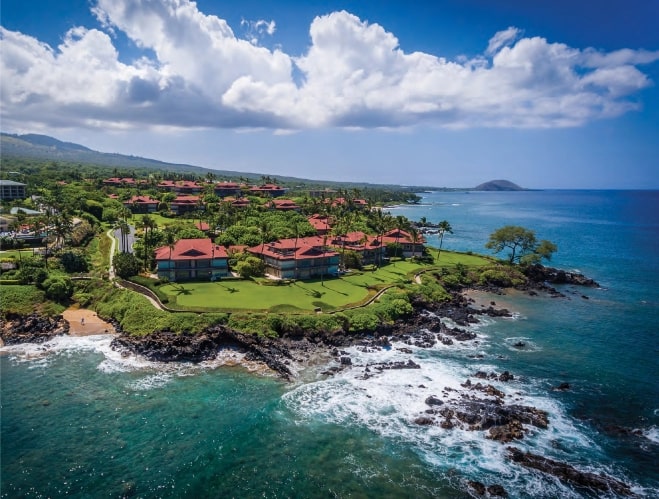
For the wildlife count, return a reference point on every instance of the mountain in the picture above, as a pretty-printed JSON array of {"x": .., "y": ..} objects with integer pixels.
[
  {"x": 498, "y": 185},
  {"x": 48, "y": 148},
  {"x": 45, "y": 148}
]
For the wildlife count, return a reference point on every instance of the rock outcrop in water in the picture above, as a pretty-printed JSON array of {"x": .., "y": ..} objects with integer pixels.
[
  {"x": 568, "y": 473},
  {"x": 33, "y": 328},
  {"x": 164, "y": 346}
]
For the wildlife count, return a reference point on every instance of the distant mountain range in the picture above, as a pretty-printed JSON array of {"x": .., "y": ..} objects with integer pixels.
[
  {"x": 43, "y": 147},
  {"x": 48, "y": 148}
]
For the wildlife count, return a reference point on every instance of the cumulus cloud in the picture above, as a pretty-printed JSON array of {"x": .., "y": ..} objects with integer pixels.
[{"x": 354, "y": 74}]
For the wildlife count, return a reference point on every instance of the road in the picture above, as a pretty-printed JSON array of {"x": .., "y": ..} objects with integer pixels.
[{"x": 130, "y": 239}]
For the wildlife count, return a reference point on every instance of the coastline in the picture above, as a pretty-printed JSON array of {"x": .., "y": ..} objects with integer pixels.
[{"x": 487, "y": 402}]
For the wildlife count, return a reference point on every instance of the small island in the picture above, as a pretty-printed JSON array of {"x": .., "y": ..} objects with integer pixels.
[{"x": 498, "y": 185}]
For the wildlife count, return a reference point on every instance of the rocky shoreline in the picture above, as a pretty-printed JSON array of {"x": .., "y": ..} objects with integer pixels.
[{"x": 478, "y": 406}]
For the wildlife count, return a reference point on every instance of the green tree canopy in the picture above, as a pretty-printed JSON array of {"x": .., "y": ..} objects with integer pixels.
[
  {"x": 126, "y": 265},
  {"x": 522, "y": 243}
]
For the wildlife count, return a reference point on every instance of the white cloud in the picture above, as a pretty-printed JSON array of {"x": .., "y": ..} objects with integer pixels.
[
  {"x": 501, "y": 39},
  {"x": 354, "y": 75},
  {"x": 257, "y": 30}
]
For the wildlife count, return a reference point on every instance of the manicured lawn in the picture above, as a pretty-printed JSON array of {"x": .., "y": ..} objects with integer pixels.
[
  {"x": 448, "y": 259},
  {"x": 332, "y": 293}
]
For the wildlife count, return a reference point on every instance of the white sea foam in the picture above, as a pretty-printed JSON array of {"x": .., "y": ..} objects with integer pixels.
[
  {"x": 652, "y": 434},
  {"x": 388, "y": 401},
  {"x": 40, "y": 355}
]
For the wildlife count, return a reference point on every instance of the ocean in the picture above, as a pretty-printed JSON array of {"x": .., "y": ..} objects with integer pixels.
[{"x": 80, "y": 420}]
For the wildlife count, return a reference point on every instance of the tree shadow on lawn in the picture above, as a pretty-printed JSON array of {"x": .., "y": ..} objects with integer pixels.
[
  {"x": 180, "y": 290},
  {"x": 314, "y": 293},
  {"x": 228, "y": 288},
  {"x": 325, "y": 285}
]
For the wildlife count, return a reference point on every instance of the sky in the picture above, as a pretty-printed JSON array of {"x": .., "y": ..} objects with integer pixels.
[{"x": 445, "y": 93}]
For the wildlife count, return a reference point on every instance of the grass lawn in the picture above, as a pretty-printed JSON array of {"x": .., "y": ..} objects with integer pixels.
[
  {"x": 333, "y": 293},
  {"x": 14, "y": 253},
  {"x": 160, "y": 220},
  {"x": 330, "y": 294},
  {"x": 448, "y": 259}
]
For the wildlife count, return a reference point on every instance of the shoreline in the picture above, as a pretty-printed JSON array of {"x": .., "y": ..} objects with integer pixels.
[{"x": 482, "y": 403}]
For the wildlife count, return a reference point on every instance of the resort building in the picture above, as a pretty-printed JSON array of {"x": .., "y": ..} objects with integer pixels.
[
  {"x": 12, "y": 190},
  {"x": 270, "y": 190},
  {"x": 409, "y": 246},
  {"x": 236, "y": 203},
  {"x": 186, "y": 204},
  {"x": 283, "y": 205},
  {"x": 181, "y": 186},
  {"x": 369, "y": 247},
  {"x": 192, "y": 259},
  {"x": 301, "y": 258},
  {"x": 142, "y": 204},
  {"x": 223, "y": 189},
  {"x": 321, "y": 223},
  {"x": 351, "y": 204}
]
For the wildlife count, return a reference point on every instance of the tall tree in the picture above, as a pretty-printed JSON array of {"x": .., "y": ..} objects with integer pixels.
[
  {"x": 522, "y": 243},
  {"x": 170, "y": 241},
  {"x": 444, "y": 227}
]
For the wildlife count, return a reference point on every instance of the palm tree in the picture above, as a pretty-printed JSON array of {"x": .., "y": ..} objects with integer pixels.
[
  {"x": 147, "y": 224},
  {"x": 124, "y": 229},
  {"x": 444, "y": 227},
  {"x": 401, "y": 223},
  {"x": 414, "y": 234},
  {"x": 62, "y": 225},
  {"x": 170, "y": 241}
]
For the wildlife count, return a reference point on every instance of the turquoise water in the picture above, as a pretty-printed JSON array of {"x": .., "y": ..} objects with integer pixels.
[{"x": 79, "y": 420}]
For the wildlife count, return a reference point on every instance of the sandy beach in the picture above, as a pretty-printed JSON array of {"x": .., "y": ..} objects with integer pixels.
[{"x": 84, "y": 322}]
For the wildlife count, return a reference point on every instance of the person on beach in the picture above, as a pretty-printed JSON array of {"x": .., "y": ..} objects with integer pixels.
[{"x": 82, "y": 321}]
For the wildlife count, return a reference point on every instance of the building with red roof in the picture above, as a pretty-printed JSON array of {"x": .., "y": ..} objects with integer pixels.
[
  {"x": 237, "y": 203},
  {"x": 186, "y": 204},
  {"x": 270, "y": 190},
  {"x": 283, "y": 205},
  {"x": 301, "y": 258},
  {"x": 142, "y": 204},
  {"x": 369, "y": 247},
  {"x": 321, "y": 223},
  {"x": 192, "y": 259},
  {"x": 223, "y": 189},
  {"x": 409, "y": 246},
  {"x": 181, "y": 186}
]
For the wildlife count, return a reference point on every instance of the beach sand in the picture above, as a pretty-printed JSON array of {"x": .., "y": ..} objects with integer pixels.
[{"x": 92, "y": 323}]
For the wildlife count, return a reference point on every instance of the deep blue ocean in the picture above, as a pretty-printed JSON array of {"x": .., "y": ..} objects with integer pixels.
[{"x": 79, "y": 420}]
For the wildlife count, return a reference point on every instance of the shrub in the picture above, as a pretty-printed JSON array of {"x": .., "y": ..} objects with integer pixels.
[
  {"x": 58, "y": 287},
  {"x": 74, "y": 261},
  {"x": 363, "y": 321},
  {"x": 250, "y": 266},
  {"x": 127, "y": 265}
]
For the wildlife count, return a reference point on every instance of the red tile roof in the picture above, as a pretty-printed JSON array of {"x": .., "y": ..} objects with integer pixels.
[
  {"x": 400, "y": 236},
  {"x": 192, "y": 249},
  {"x": 284, "y": 204},
  {"x": 299, "y": 249},
  {"x": 141, "y": 200}
]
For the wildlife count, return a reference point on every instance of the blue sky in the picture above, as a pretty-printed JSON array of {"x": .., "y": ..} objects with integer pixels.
[{"x": 547, "y": 94}]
